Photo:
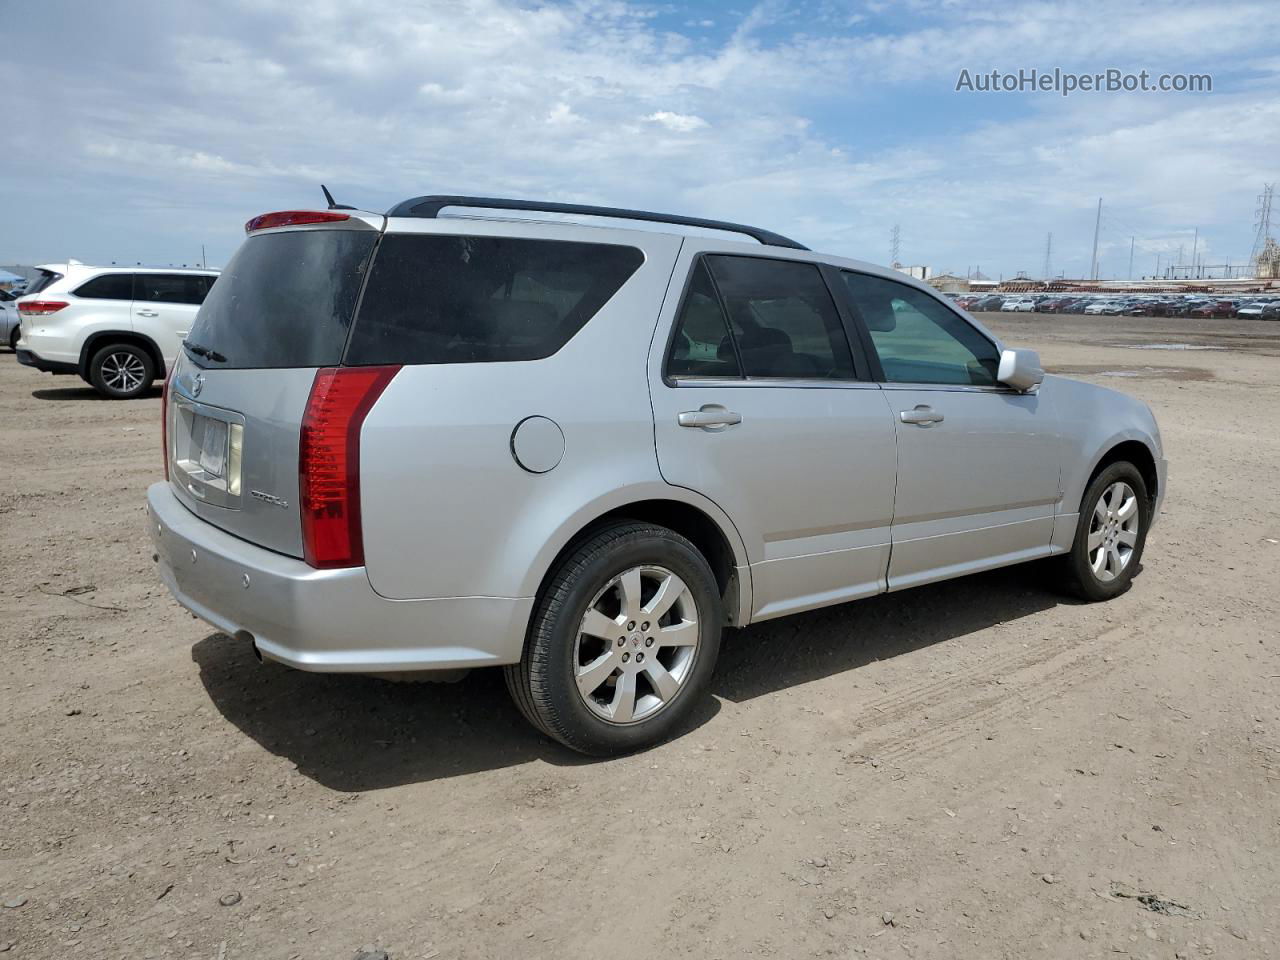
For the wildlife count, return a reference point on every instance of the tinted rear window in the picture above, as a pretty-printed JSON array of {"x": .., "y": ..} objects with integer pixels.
[
  {"x": 171, "y": 288},
  {"x": 284, "y": 300},
  {"x": 446, "y": 299},
  {"x": 46, "y": 278},
  {"x": 109, "y": 286}
]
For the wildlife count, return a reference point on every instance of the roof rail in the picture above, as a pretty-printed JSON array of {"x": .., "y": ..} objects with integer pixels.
[{"x": 430, "y": 207}]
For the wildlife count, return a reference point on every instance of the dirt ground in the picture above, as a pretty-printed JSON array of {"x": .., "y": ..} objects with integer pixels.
[{"x": 975, "y": 769}]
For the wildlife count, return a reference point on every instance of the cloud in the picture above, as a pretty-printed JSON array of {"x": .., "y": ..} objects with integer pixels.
[{"x": 172, "y": 126}]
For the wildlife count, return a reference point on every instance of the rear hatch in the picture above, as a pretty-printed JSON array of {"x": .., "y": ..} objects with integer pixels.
[{"x": 280, "y": 311}]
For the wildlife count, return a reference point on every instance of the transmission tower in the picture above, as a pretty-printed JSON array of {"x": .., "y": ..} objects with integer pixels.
[
  {"x": 1262, "y": 226},
  {"x": 1048, "y": 256},
  {"x": 895, "y": 244}
]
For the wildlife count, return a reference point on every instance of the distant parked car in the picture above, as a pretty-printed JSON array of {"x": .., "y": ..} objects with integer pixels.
[
  {"x": 1252, "y": 310},
  {"x": 1215, "y": 309},
  {"x": 1018, "y": 305},
  {"x": 988, "y": 304},
  {"x": 9, "y": 319},
  {"x": 1271, "y": 311},
  {"x": 118, "y": 328}
]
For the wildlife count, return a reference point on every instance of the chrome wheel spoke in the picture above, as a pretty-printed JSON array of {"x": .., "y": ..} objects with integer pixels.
[
  {"x": 596, "y": 624},
  {"x": 1128, "y": 508},
  {"x": 594, "y": 674},
  {"x": 622, "y": 707},
  {"x": 664, "y": 684},
  {"x": 630, "y": 585},
  {"x": 683, "y": 634},
  {"x": 1095, "y": 540},
  {"x": 1128, "y": 537},
  {"x": 669, "y": 591}
]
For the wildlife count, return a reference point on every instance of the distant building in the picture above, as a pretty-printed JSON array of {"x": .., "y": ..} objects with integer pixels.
[
  {"x": 949, "y": 283},
  {"x": 920, "y": 273}
]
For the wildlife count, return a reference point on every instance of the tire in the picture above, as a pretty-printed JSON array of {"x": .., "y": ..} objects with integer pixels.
[
  {"x": 1081, "y": 575},
  {"x": 13, "y": 339},
  {"x": 122, "y": 371},
  {"x": 598, "y": 576}
]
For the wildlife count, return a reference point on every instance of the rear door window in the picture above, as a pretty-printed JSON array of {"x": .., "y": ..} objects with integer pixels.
[
  {"x": 187, "y": 288},
  {"x": 46, "y": 279},
  {"x": 449, "y": 299},
  {"x": 109, "y": 286},
  {"x": 285, "y": 300},
  {"x": 783, "y": 319},
  {"x": 702, "y": 346}
]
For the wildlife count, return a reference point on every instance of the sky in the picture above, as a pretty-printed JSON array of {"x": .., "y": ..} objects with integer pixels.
[{"x": 140, "y": 131}]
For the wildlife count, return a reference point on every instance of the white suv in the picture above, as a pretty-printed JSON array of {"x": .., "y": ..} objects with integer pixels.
[{"x": 119, "y": 328}]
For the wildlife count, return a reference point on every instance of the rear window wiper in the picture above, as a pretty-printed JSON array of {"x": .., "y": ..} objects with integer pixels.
[{"x": 200, "y": 351}]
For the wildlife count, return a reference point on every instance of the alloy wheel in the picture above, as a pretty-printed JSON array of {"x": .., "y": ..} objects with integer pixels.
[
  {"x": 1113, "y": 531},
  {"x": 636, "y": 645},
  {"x": 123, "y": 371}
]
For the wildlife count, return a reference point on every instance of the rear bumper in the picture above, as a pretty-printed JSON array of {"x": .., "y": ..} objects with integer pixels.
[
  {"x": 29, "y": 358},
  {"x": 329, "y": 621}
]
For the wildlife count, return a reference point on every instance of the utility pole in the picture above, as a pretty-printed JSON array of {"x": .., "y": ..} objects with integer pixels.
[
  {"x": 1157, "y": 273},
  {"x": 1097, "y": 223},
  {"x": 1131, "y": 239},
  {"x": 1048, "y": 256},
  {"x": 203, "y": 262},
  {"x": 1262, "y": 226},
  {"x": 895, "y": 237},
  {"x": 1195, "y": 245}
]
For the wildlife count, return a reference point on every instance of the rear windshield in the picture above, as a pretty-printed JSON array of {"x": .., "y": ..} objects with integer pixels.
[
  {"x": 449, "y": 299},
  {"x": 46, "y": 278},
  {"x": 285, "y": 300}
]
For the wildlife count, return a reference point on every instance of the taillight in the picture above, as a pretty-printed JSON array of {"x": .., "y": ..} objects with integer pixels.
[
  {"x": 40, "y": 308},
  {"x": 292, "y": 218},
  {"x": 164, "y": 419},
  {"x": 329, "y": 462}
]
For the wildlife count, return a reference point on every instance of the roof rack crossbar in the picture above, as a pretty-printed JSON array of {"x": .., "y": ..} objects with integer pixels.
[{"x": 430, "y": 207}]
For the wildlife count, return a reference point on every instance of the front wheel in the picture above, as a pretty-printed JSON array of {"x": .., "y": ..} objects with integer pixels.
[
  {"x": 121, "y": 371},
  {"x": 1110, "y": 535},
  {"x": 622, "y": 643}
]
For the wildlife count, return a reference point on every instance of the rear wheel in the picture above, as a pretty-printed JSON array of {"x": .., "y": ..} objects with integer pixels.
[
  {"x": 1110, "y": 534},
  {"x": 622, "y": 643},
  {"x": 121, "y": 371}
]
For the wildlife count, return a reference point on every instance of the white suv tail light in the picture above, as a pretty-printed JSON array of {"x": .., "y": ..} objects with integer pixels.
[{"x": 40, "y": 308}]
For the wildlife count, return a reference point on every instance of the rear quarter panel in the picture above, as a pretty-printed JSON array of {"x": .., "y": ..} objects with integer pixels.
[{"x": 447, "y": 511}]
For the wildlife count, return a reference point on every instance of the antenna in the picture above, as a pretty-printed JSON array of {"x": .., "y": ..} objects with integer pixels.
[{"x": 333, "y": 204}]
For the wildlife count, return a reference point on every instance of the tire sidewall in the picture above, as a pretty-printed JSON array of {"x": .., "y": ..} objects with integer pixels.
[
  {"x": 558, "y": 630},
  {"x": 99, "y": 384},
  {"x": 1092, "y": 587}
]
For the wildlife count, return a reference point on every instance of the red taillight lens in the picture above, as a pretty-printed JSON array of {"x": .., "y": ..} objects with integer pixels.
[
  {"x": 290, "y": 218},
  {"x": 40, "y": 308},
  {"x": 164, "y": 419},
  {"x": 329, "y": 462}
]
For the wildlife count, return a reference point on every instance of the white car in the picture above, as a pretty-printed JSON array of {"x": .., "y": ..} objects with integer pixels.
[
  {"x": 1018, "y": 305},
  {"x": 119, "y": 328},
  {"x": 9, "y": 319},
  {"x": 1098, "y": 307}
]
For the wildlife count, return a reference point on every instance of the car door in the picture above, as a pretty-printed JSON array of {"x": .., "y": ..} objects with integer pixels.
[
  {"x": 978, "y": 463},
  {"x": 761, "y": 405},
  {"x": 165, "y": 306}
]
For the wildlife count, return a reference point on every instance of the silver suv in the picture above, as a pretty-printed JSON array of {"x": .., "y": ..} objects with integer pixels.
[{"x": 579, "y": 451}]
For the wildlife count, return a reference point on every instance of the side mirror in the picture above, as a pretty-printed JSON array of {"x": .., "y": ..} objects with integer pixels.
[{"x": 1020, "y": 369}]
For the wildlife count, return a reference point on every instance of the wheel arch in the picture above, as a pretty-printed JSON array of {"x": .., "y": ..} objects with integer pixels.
[
  {"x": 101, "y": 338},
  {"x": 1131, "y": 451},
  {"x": 702, "y": 524}
]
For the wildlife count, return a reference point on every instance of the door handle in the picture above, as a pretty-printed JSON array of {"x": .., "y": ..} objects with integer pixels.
[
  {"x": 709, "y": 417},
  {"x": 148, "y": 313},
  {"x": 922, "y": 416}
]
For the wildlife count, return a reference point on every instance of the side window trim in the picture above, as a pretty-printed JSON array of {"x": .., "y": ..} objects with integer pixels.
[
  {"x": 864, "y": 337},
  {"x": 865, "y": 361}
]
